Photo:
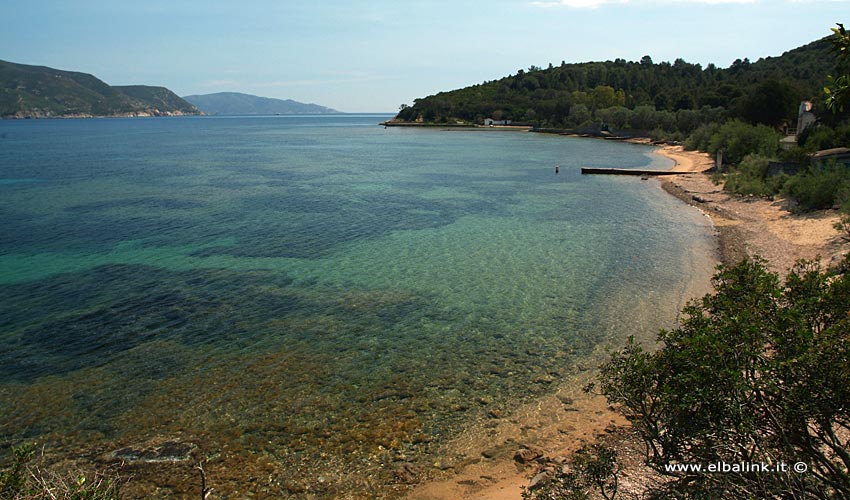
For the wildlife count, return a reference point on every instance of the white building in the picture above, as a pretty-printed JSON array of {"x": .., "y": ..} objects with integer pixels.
[{"x": 805, "y": 117}]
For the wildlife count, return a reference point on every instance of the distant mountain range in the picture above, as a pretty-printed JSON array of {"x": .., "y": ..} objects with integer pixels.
[
  {"x": 42, "y": 92},
  {"x": 234, "y": 103}
]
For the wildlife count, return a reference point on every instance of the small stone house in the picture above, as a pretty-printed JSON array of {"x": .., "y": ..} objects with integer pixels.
[{"x": 838, "y": 155}]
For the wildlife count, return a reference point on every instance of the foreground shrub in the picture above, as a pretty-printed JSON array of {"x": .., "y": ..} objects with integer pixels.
[
  {"x": 757, "y": 373},
  {"x": 593, "y": 468}
]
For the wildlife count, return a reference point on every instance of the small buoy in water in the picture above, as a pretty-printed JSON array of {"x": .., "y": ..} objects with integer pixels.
[{"x": 557, "y": 169}]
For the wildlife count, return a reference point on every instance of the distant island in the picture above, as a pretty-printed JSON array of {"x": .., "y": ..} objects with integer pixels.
[
  {"x": 234, "y": 103},
  {"x": 41, "y": 92}
]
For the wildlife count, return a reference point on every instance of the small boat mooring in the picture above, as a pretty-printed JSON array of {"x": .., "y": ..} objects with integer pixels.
[{"x": 628, "y": 171}]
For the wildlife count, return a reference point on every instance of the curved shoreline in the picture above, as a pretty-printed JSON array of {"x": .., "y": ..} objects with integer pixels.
[
  {"x": 554, "y": 426},
  {"x": 744, "y": 226},
  {"x": 749, "y": 226}
]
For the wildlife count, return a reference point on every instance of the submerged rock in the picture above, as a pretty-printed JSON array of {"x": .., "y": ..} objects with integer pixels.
[
  {"x": 166, "y": 451},
  {"x": 406, "y": 473},
  {"x": 566, "y": 400}
]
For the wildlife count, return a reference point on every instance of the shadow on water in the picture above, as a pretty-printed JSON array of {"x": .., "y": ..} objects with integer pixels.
[{"x": 86, "y": 319}]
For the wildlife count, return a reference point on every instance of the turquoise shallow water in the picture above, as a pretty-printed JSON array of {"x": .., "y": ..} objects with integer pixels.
[{"x": 313, "y": 290}]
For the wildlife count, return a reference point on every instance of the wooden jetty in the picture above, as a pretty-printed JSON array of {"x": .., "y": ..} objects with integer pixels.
[{"x": 628, "y": 171}]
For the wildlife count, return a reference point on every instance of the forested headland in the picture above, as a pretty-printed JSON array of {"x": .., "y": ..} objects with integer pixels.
[
  {"x": 742, "y": 111},
  {"x": 675, "y": 98}
]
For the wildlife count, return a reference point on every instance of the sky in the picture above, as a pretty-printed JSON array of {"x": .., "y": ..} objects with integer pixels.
[{"x": 373, "y": 56}]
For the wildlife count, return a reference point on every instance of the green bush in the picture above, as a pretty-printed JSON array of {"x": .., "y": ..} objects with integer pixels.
[
  {"x": 816, "y": 138},
  {"x": 820, "y": 137},
  {"x": 750, "y": 177},
  {"x": 701, "y": 137},
  {"x": 662, "y": 135},
  {"x": 737, "y": 139},
  {"x": 740, "y": 184},
  {"x": 755, "y": 373},
  {"x": 843, "y": 226},
  {"x": 796, "y": 155},
  {"x": 822, "y": 186}
]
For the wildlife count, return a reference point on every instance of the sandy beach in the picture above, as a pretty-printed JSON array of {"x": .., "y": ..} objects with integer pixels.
[
  {"x": 750, "y": 226},
  {"x": 560, "y": 424}
]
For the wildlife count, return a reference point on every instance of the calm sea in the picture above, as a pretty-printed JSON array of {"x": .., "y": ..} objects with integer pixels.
[{"x": 310, "y": 300}]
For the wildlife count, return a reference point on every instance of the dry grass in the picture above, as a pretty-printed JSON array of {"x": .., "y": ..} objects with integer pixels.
[{"x": 27, "y": 477}]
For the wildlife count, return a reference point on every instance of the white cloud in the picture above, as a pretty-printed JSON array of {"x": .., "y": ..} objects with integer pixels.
[
  {"x": 592, "y": 4},
  {"x": 578, "y": 4}
]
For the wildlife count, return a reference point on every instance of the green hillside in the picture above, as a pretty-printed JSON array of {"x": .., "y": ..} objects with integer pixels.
[
  {"x": 235, "y": 103},
  {"x": 42, "y": 92},
  {"x": 157, "y": 97},
  {"x": 640, "y": 95}
]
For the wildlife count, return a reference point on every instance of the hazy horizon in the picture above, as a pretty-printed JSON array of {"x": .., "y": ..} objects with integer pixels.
[{"x": 372, "y": 57}]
